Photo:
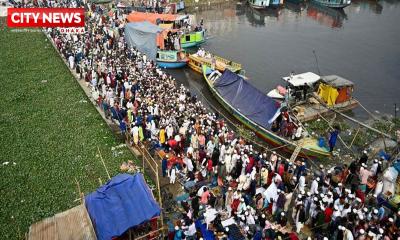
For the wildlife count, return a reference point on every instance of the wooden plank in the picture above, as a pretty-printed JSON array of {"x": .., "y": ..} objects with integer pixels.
[{"x": 43, "y": 230}]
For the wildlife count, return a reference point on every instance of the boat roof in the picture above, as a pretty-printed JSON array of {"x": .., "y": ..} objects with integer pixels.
[
  {"x": 153, "y": 17},
  {"x": 247, "y": 99},
  {"x": 302, "y": 79},
  {"x": 336, "y": 81}
]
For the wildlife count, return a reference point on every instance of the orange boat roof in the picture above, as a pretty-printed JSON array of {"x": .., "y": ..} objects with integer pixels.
[{"x": 151, "y": 17}]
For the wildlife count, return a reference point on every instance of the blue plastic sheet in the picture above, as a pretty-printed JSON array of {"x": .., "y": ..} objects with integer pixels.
[
  {"x": 247, "y": 99},
  {"x": 123, "y": 202}
]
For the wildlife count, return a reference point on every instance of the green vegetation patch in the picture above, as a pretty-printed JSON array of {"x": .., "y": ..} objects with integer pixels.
[{"x": 49, "y": 135}]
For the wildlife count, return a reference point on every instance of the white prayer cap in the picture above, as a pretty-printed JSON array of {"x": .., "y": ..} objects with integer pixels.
[
  {"x": 362, "y": 231},
  {"x": 176, "y": 228},
  {"x": 318, "y": 179},
  {"x": 381, "y": 230},
  {"x": 375, "y": 211},
  {"x": 299, "y": 196},
  {"x": 340, "y": 184},
  {"x": 227, "y": 229},
  {"x": 308, "y": 193},
  {"x": 321, "y": 166},
  {"x": 282, "y": 214},
  {"x": 361, "y": 217},
  {"x": 263, "y": 215},
  {"x": 358, "y": 199},
  {"x": 390, "y": 219},
  {"x": 246, "y": 213},
  {"x": 354, "y": 210},
  {"x": 229, "y": 188},
  {"x": 365, "y": 209}
]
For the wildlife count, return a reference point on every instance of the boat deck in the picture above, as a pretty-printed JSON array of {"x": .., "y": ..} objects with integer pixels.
[{"x": 312, "y": 109}]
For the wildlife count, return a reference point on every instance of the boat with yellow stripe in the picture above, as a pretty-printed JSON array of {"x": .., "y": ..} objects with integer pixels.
[
  {"x": 258, "y": 112},
  {"x": 197, "y": 60}
]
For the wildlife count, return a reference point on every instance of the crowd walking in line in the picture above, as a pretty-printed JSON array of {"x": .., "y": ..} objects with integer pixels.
[{"x": 230, "y": 183}]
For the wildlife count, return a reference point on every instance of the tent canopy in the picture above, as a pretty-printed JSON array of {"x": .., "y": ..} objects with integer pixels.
[
  {"x": 144, "y": 36},
  {"x": 302, "y": 79},
  {"x": 123, "y": 202},
  {"x": 247, "y": 99},
  {"x": 336, "y": 81},
  {"x": 152, "y": 17}
]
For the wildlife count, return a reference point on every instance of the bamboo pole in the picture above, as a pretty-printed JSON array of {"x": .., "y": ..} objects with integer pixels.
[
  {"x": 160, "y": 198},
  {"x": 104, "y": 164},
  {"x": 362, "y": 124},
  {"x": 79, "y": 190},
  {"x": 355, "y": 136}
]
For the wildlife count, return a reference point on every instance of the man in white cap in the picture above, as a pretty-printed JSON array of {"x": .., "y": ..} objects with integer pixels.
[
  {"x": 314, "y": 185},
  {"x": 228, "y": 201}
]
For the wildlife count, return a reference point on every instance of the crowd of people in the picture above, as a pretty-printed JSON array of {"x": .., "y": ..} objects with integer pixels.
[{"x": 231, "y": 184}]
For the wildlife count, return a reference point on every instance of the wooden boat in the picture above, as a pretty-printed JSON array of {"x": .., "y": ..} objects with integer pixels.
[
  {"x": 193, "y": 39},
  {"x": 217, "y": 81},
  {"x": 196, "y": 62},
  {"x": 172, "y": 22},
  {"x": 312, "y": 95},
  {"x": 337, "y": 4},
  {"x": 171, "y": 58},
  {"x": 263, "y": 4}
]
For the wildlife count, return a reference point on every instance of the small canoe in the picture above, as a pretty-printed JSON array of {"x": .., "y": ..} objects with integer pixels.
[
  {"x": 337, "y": 4},
  {"x": 255, "y": 110},
  {"x": 193, "y": 39},
  {"x": 171, "y": 59},
  {"x": 196, "y": 62}
]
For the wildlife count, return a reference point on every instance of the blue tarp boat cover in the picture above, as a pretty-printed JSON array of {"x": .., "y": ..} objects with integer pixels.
[
  {"x": 248, "y": 100},
  {"x": 123, "y": 202},
  {"x": 143, "y": 36}
]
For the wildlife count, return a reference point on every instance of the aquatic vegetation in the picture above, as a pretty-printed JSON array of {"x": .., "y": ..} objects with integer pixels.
[{"x": 49, "y": 135}]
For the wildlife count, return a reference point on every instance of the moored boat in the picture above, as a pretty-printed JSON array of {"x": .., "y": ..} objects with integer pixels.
[
  {"x": 197, "y": 60},
  {"x": 258, "y": 112},
  {"x": 192, "y": 39},
  {"x": 306, "y": 92},
  {"x": 263, "y": 4},
  {"x": 174, "y": 22},
  {"x": 171, "y": 58},
  {"x": 338, "y": 4}
]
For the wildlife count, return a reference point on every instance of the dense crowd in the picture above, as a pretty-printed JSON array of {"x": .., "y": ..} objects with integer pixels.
[{"x": 229, "y": 182}]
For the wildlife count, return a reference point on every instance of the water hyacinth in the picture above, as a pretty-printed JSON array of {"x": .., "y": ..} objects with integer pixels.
[{"x": 48, "y": 138}]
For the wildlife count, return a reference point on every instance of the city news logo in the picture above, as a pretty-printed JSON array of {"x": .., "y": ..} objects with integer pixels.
[{"x": 65, "y": 18}]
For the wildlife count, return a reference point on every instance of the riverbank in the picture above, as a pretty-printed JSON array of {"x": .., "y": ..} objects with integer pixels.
[{"x": 50, "y": 135}]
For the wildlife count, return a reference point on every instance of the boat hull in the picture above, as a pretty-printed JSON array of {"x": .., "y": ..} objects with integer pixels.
[
  {"x": 331, "y": 4},
  {"x": 268, "y": 136},
  {"x": 163, "y": 64}
]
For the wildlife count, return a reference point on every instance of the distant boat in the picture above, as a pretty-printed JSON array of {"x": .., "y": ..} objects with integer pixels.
[
  {"x": 196, "y": 62},
  {"x": 263, "y": 4},
  {"x": 171, "y": 58},
  {"x": 338, "y": 4},
  {"x": 174, "y": 22},
  {"x": 257, "y": 112},
  {"x": 308, "y": 91},
  {"x": 193, "y": 39}
]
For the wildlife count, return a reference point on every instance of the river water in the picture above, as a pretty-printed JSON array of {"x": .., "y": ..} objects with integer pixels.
[{"x": 360, "y": 43}]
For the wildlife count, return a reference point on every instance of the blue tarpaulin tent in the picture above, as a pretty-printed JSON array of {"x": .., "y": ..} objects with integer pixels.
[
  {"x": 143, "y": 36},
  {"x": 123, "y": 202},
  {"x": 248, "y": 100}
]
